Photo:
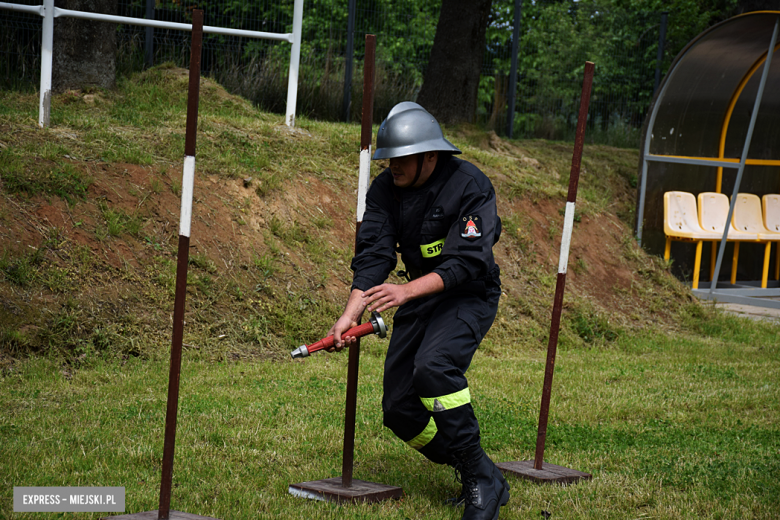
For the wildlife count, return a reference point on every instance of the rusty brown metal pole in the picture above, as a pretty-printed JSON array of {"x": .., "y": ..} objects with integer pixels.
[
  {"x": 368, "y": 93},
  {"x": 552, "y": 345},
  {"x": 181, "y": 266},
  {"x": 365, "y": 163}
]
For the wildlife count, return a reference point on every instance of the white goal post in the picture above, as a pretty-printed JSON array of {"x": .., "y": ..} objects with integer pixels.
[{"x": 48, "y": 12}]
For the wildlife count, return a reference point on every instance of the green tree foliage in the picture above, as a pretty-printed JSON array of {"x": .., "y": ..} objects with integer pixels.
[
  {"x": 407, "y": 26},
  {"x": 619, "y": 36},
  {"x": 258, "y": 69}
]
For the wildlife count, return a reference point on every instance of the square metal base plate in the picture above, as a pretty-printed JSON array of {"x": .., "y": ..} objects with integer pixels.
[
  {"x": 550, "y": 473},
  {"x": 152, "y": 515},
  {"x": 330, "y": 489}
]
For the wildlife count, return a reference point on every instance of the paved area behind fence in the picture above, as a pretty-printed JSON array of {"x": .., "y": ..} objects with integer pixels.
[{"x": 749, "y": 311}]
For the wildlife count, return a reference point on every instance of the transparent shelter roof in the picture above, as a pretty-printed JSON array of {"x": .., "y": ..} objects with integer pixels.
[{"x": 702, "y": 82}]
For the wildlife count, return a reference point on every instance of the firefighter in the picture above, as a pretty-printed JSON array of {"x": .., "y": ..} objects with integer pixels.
[{"x": 439, "y": 213}]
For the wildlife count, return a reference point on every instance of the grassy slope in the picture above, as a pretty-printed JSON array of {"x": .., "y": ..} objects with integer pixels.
[
  {"x": 90, "y": 212},
  {"x": 672, "y": 406}
]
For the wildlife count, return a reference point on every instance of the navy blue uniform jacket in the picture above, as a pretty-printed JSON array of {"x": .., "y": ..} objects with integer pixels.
[{"x": 447, "y": 226}]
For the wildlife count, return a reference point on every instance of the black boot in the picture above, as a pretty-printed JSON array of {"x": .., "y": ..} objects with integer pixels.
[
  {"x": 484, "y": 491},
  {"x": 459, "y": 500}
]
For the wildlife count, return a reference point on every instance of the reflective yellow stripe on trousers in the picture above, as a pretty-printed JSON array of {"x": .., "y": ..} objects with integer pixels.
[
  {"x": 425, "y": 437},
  {"x": 447, "y": 402}
]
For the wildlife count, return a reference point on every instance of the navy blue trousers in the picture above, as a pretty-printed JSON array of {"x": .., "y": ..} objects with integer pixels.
[{"x": 426, "y": 400}]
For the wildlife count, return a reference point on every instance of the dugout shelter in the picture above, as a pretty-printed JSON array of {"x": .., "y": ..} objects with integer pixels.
[{"x": 713, "y": 125}]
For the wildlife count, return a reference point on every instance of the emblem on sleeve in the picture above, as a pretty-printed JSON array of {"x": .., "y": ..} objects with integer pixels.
[{"x": 470, "y": 229}]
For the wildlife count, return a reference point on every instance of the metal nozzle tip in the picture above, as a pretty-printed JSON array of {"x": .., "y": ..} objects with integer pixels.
[
  {"x": 380, "y": 329},
  {"x": 300, "y": 352}
]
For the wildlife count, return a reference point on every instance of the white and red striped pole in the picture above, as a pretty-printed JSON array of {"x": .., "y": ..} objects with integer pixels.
[
  {"x": 366, "y": 127},
  {"x": 568, "y": 224},
  {"x": 345, "y": 488},
  {"x": 363, "y": 178},
  {"x": 187, "y": 188},
  {"x": 163, "y": 511}
]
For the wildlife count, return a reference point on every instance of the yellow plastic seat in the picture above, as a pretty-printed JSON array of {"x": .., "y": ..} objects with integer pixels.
[
  {"x": 713, "y": 213},
  {"x": 748, "y": 217},
  {"x": 681, "y": 223},
  {"x": 771, "y": 206}
]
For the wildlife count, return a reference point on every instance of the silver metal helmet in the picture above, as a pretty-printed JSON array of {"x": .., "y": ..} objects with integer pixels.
[{"x": 410, "y": 129}]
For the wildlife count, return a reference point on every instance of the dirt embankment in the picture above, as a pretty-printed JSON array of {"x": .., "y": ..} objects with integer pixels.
[{"x": 270, "y": 267}]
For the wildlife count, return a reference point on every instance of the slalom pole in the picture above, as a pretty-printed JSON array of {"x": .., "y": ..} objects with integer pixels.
[
  {"x": 187, "y": 186},
  {"x": 537, "y": 471},
  {"x": 568, "y": 225},
  {"x": 185, "y": 220},
  {"x": 345, "y": 488},
  {"x": 347, "y": 461}
]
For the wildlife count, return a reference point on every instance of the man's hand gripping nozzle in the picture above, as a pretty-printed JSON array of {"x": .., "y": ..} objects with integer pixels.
[{"x": 375, "y": 325}]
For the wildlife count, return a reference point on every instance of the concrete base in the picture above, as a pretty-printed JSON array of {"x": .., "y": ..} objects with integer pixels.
[
  {"x": 757, "y": 313},
  {"x": 330, "y": 489},
  {"x": 550, "y": 473},
  {"x": 152, "y": 515}
]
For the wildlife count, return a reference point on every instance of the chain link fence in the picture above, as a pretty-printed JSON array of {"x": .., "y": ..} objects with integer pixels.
[
  {"x": 556, "y": 38},
  {"x": 20, "y": 48}
]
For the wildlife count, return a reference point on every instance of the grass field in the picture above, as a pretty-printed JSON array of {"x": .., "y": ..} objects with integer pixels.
[{"x": 669, "y": 426}]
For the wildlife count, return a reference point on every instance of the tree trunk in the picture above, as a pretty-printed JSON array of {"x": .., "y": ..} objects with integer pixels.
[
  {"x": 84, "y": 50},
  {"x": 498, "y": 113},
  {"x": 451, "y": 82}
]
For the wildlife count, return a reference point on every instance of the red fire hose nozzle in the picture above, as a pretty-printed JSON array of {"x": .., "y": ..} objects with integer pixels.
[{"x": 375, "y": 325}]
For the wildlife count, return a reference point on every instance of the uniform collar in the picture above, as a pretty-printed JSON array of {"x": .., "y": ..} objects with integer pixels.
[{"x": 441, "y": 165}]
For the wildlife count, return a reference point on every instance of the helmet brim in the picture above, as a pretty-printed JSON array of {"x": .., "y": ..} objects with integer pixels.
[{"x": 435, "y": 145}]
